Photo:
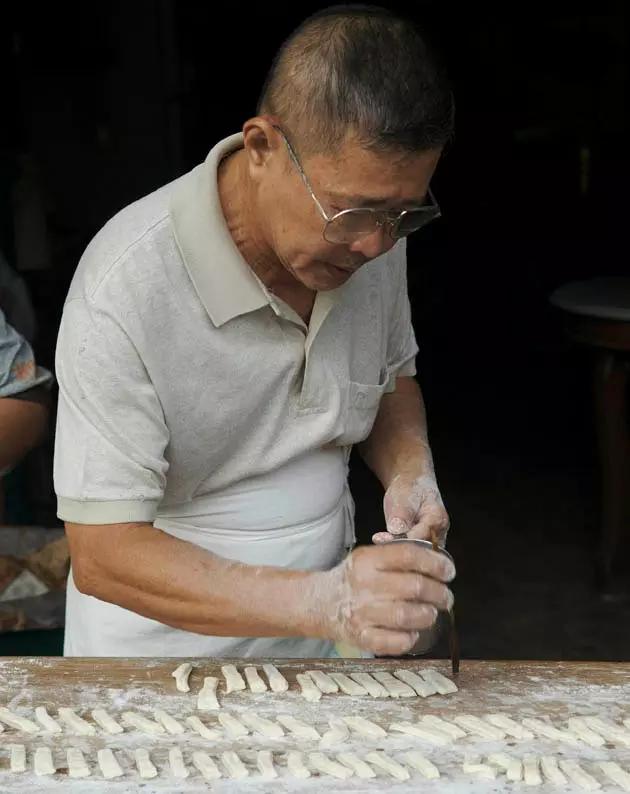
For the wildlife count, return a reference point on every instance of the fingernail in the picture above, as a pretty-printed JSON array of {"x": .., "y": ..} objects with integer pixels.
[
  {"x": 433, "y": 613},
  {"x": 449, "y": 571},
  {"x": 397, "y": 526},
  {"x": 450, "y": 600}
]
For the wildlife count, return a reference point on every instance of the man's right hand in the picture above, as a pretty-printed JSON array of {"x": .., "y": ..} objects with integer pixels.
[{"x": 380, "y": 597}]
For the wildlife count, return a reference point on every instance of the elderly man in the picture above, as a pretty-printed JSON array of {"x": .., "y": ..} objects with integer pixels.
[{"x": 225, "y": 342}]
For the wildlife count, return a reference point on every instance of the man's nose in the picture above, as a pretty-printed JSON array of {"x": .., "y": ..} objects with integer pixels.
[{"x": 375, "y": 244}]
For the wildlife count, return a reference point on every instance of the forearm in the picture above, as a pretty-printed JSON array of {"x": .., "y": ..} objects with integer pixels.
[
  {"x": 145, "y": 570},
  {"x": 398, "y": 443},
  {"x": 22, "y": 424}
]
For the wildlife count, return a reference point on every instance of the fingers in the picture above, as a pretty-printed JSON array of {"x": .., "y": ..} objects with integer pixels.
[
  {"x": 412, "y": 587},
  {"x": 411, "y": 557},
  {"x": 398, "y": 526},
  {"x": 382, "y": 537},
  {"x": 399, "y": 615},
  {"x": 388, "y": 643}
]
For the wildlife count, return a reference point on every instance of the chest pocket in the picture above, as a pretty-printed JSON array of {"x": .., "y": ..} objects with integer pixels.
[{"x": 362, "y": 404}]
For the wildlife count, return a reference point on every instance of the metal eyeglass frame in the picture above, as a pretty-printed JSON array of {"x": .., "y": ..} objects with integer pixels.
[{"x": 393, "y": 223}]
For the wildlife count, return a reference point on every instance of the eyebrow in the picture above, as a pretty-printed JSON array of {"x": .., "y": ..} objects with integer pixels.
[{"x": 371, "y": 201}]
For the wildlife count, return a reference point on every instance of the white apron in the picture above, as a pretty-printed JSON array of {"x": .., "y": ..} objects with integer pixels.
[{"x": 300, "y": 517}]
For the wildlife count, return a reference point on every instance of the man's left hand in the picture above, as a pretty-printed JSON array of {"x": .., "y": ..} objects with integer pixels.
[{"x": 414, "y": 508}]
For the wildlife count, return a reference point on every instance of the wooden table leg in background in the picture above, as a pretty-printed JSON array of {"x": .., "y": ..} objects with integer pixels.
[{"x": 611, "y": 408}]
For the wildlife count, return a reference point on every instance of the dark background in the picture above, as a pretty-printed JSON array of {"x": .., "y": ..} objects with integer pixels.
[{"x": 109, "y": 101}]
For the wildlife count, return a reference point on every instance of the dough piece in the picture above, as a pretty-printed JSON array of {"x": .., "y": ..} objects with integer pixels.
[
  {"x": 176, "y": 763},
  {"x": 46, "y": 721},
  {"x": 324, "y": 682},
  {"x": 146, "y": 769},
  {"x": 416, "y": 682},
  {"x": 277, "y": 682},
  {"x": 181, "y": 675},
  {"x": 454, "y": 731},
  {"x": 417, "y": 761},
  {"x": 548, "y": 731},
  {"x": 371, "y": 685},
  {"x": 583, "y": 732},
  {"x": 359, "y": 767},
  {"x": 297, "y": 727},
  {"x": 514, "y": 772},
  {"x": 347, "y": 685},
  {"x": 478, "y": 727},
  {"x": 264, "y": 761},
  {"x": 531, "y": 773},
  {"x": 43, "y": 764},
  {"x": 615, "y": 774},
  {"x": 172, "y": 726},
  {"x": 198, "y": 727},
  {"x": 108, "y": 764},
  {"x": 207, "y": 698},
  {"x": 443, "y": 684},
  {"x": 395, "y": 688},
  {"x": 235, "y": 768},
  {"x": 234, "y": 727},
  {"x": 234, "y": 681},
  {"x": 17, "y": 722},
  {"x": 387, "y": 764},
  {"x": 77, "y": 765},
  {"x": 365, "y": 727},
  {"x": 581, "y": 778},
  {"x": 18, "y": 757},
  {"x": 502, "y": 760},
  {"x": 206, "y": 766},
  {"x": 327, "y": 767},
  {"x": 75, "y": 723},
  {"x": 254, "y": 681},
  {"x": 310, "y": 691},
  {"x": 106, "y": 722},
  {"x": 551, "y": 771},
  {"x": 473, "y": 766},
  {"x": 609, "y": 730},
  {"x": 428, "y": 734},
  {"x": 142, "y": 724},
  {"x": 337, "y": 734},
  {"x": 266, "y": 728},
  {"x": 509, "y": 726},
  {"x": 295, "y": 765}
]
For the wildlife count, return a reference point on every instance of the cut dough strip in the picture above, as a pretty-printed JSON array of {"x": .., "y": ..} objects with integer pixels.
[
  {"x": 478, "y": 727},
  {"x": 206, "y": 766},
  {"x": 266, "y": 728},
  {"x": 454, "y": 731},
  {"x": 547, "y": 731},
  {"x": 77, "y": 765},
  {"x": 145, "y": 766},
  {"x": 18, "y": 757},
  {"x": 234, "y": 681},
  {"x": 324, "y": 682},
  {"x": 17, "y": 722},
  {"x": 418, "y": 762},
  {"x": 277, "y": 682},
  {"x": 140, "y": 723},
  {"x": 551, "y": 771},
  {"x": 395, "y": 687},
  {"x": 235, "y": 768},
  {"x": 297, "y": 727},
  {"x": 502, "y": 760},
  {"x": 171, "y": 725},
  {"x": 198, "y": 727},
  {"x": 234, "y": 727},
  {"x": 359, "y": 767},
  {"x": 46, "y": 721},
  {"x": 575, "y": 773},
  {"x": 181, "y": 675},
  {"x": 327, "y": 767},
  {"x": 473, "y": 766},
  {"x": 254, "y": 681},
  {"x": 425, "y": 732},
  {"x": 443, "y": 685},
  {"x": 338, "y": 733},
  {"x": 348, "y": 686},
  {"x": 296, "y": 766},
  {"x": 108, "y": 764},
  {"x": 388, "y": 764},
  {"x": 266, "y": 767},
  {"x": 609, "y": 730},
  {"x": 176, "y": 763},
  {"x": 370, "y": 684},
  {"x": 416, "y": 682},
  {"x": 365, "y": 727},
  {"x": 531, "y": 772},
  {"x": 43, "y": 763},
  {"x": 509, "y": 726},
  {"x": 106, "y": 722},
  {"x": 310, "y": 691},
  {"x": 615, "y": 774},
  {"x": 207, "y": 698},
  {"x": 514, "y": 772},
  {"x": 75, "y": 723},
  {"x": 583, "y": 732}
]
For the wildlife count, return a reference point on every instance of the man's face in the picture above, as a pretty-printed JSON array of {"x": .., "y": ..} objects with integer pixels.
[{"x": 353, "y": 177}]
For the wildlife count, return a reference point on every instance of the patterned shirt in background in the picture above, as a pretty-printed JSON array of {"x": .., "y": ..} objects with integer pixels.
[{"x": 18, "y": 371}]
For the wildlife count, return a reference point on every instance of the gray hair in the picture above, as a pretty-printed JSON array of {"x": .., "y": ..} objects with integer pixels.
[{"x": 358, "y": 70}]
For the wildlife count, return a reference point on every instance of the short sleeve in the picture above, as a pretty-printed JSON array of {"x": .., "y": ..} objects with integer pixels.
[
  {"x": 401, "y": 340},
  {"x": 18, "y": 370},
  {"x": 111, "y": 437}
]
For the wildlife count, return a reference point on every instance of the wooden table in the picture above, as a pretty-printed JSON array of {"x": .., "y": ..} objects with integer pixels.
[{"x": 520, "y": 689}]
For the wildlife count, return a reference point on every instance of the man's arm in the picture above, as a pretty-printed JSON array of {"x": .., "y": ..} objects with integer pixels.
[{"x": 22, "y": 424}]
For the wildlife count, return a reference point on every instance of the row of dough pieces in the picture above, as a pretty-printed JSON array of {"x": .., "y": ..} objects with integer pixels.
[
  {"x": 315, "y": 683},
  {"x": 593, "y": 731},
  {"x": 345, "y": 766}
]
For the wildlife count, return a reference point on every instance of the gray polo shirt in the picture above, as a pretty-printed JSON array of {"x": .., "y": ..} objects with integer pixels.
[{"x": 193, "y": 398}]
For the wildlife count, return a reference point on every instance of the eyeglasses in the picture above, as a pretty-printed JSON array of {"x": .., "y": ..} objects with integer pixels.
[{"x": 351, "y": 225}]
